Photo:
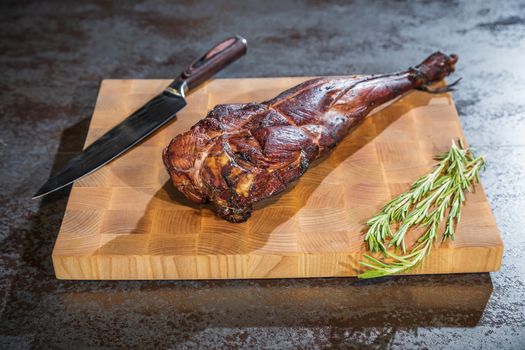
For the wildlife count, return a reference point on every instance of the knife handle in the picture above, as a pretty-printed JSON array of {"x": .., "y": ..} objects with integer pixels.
[{"x": 211, "y": 62}]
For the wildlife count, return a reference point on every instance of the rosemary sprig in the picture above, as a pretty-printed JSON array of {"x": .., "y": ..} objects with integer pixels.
[{"x": 432, "y": 199}]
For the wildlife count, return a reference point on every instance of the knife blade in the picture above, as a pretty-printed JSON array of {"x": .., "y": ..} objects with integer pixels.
[{"x": 155, "y": 113}]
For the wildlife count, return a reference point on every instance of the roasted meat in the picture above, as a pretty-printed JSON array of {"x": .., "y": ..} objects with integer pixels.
[{"x": 240, "y": 154}]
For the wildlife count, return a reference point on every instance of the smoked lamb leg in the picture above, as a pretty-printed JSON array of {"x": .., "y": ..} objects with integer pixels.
[{"x": 240, "y": 154}]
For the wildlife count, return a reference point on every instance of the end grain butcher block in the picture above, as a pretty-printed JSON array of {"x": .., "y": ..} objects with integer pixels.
[{"x": 126, "y": 221}]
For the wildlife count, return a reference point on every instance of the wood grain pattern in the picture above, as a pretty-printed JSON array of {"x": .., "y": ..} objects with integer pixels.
[{"x": 126, "y": 221}]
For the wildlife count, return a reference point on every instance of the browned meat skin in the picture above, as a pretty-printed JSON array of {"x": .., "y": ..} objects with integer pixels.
[{"x": 243, "y": 153}]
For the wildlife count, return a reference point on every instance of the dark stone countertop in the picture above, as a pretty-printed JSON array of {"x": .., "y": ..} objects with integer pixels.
[{"x": 53, "y": 56}]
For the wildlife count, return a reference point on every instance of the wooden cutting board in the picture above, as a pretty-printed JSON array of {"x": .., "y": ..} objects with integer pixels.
[{"x": 125, "y": 221}]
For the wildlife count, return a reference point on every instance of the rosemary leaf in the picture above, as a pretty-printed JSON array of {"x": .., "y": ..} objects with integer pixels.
[{"x": 432, "y": 199}]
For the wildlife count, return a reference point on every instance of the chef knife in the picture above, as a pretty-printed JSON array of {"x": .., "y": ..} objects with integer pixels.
[{"x": 148, "y": 118}]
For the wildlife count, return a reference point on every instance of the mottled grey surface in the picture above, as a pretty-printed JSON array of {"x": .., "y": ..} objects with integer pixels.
[{"x": 53, "y": 56}]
